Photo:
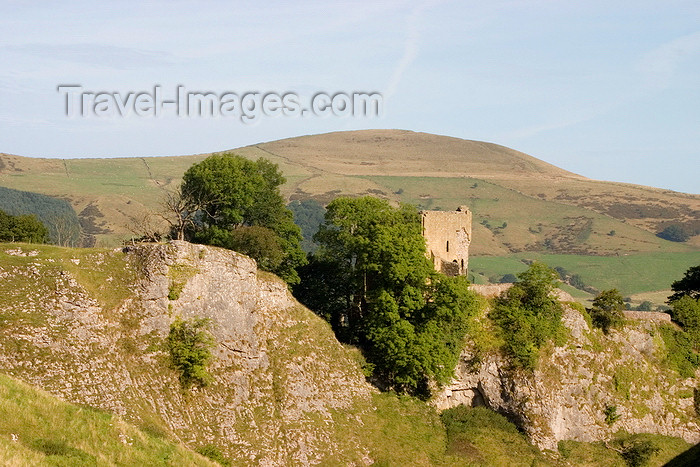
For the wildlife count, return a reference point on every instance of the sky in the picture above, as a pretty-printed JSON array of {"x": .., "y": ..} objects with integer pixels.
[{"x": 607, "y": 89}]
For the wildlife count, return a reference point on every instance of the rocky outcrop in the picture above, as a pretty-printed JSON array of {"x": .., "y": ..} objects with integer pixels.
[
  {"x": 90, "y": 328},
  {"x": 565, "y": 398}
]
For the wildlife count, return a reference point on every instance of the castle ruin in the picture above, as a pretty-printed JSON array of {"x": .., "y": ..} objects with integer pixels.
[{"x": 447, "y": 237}]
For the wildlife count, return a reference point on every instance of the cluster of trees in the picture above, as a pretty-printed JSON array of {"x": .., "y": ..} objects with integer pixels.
[
  {"x": 674, "y": 233},
  {"x": 232, "y": 202},
  {"x": 371, "y": 279},
  {"x": 22, "y": 228},
  {"x": 57, "y": 215},
  {"x": 308, "y": 215}
]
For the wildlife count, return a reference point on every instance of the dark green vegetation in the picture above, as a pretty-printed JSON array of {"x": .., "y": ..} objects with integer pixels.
[
  {"x": 40, "y": 430},
  {"x": 606, "y": 312},
  {"x": 22, "y": 228},
  {"x": 371, "y": 280},
  {"x": 683, "y": 345},
  {"x": 232, "y": 202},
  {"x": 308, "y": 215},
  {"x": 675, "y": 233},
  {"x": 528, "y": 315},
  {"x": 56, "y": 214},
  {"x": 214, "y": 453},
  {"x": 545, "y": 210},
  {"x": 189, "y": 345},
  {"x": 689, "y": 285}
]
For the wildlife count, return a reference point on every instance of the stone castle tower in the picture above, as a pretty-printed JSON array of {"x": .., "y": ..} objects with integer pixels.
[{"x": 447, "y": 238}]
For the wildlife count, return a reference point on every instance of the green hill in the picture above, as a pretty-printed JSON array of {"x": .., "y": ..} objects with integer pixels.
[
  {"x": 520, "y": 204},
  {"x": 87, "y": 325}
]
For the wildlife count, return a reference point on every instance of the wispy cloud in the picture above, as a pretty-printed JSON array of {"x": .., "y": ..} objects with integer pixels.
[
  {"x": 661, "y": 64},
  {"x": 411, "y": 46}
]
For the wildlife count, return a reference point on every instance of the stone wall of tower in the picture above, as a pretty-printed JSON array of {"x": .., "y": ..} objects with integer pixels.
[{"x": 447, "y": 238}]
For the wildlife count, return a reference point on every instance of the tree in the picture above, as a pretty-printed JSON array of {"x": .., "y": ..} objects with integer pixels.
[
  {"x": 674, "y": 233},
  {"x": 688, "y": 285},
  {"x": 226, "y": 192},
  {"x": 607, "y": 309},
  {"x": 686, "y": 312},
  {"x": 22, "y": 228},
  {"x": 372, "y": 280},
  {"x": 529, "y": 314}
]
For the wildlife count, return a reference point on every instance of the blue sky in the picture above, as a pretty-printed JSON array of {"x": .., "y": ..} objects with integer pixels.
[{"x": 610, "y": 90}]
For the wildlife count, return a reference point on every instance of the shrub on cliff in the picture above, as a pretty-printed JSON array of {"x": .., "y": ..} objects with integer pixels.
[
  {"x": 189, "y": 345},
  {"x": 528, "y": 314}
]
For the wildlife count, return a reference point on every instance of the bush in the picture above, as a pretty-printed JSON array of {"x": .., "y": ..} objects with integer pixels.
[
  {"x": 189, "y": 345},
  {"x": 22, "y": 228},
  {"x": 528, "y": 315},
  {"x": 611, "y": 415},
  {"x": 680, "y": 355},
  {"x": 508, "y": 279}
]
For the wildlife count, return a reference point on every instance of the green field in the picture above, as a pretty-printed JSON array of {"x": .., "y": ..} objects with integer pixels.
[{"x": 630, "y": 274}]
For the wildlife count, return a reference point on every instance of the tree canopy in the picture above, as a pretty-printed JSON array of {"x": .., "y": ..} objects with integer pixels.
[
  {"x": 223, "y": 197},
  {"x": 22, "y": 228},
  {"x": 372, "y": 280},
  {"x": 606, "y": 312},
  {"x": 529, "y": 314},
  {"x": 688, "y": 285}
]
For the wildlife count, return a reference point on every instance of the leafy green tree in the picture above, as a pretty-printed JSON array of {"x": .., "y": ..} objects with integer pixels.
[
  {"x": 22, "y": 228},
  {"x": 529, "y": 314},
  {"x": 189, "y": 345},
  {"x": 606, "y": 313},
  {"x": 371, "y": 278},
  {"x": 688, "y": 285},
  {"x": 686, "y": 312},
  {"x": 230, "y": 192}
]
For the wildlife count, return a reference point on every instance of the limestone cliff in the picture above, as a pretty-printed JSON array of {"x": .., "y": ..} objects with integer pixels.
[
  {"x": 89, "y": 326},
  {"x": 565, "y": 398}
]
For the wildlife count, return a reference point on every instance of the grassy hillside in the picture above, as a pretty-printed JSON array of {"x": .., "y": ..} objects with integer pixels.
[
  {"x": 96, "y": 354},
  {"x": 520, "y": 204},
  {"x": 41, "y": 430}
]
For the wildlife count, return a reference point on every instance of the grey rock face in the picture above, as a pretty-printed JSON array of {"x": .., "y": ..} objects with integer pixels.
[
  {"x": 565, "y": 398},
  {"x": 280, "y": 376}
]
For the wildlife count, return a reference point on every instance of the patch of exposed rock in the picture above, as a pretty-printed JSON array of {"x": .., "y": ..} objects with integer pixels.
[
  {"x": 565, "y": 398},
  {"x": 280, "y": 376}
]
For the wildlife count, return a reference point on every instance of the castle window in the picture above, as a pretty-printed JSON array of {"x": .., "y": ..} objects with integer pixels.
[
  {"x": 462, "y": 264},
  {"x": 447, "y": 246}
]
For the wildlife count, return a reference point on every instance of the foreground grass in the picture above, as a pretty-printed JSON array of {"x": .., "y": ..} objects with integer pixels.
[{"x": 38, "y": 429}]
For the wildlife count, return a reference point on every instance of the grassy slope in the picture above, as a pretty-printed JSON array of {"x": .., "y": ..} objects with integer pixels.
[
  {"x": 632, "y": 274},
  {"x": 544, "y": 208},
  {"x": 48, "y": 431},
  {"x": 393, "y": 430}
]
